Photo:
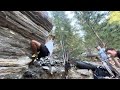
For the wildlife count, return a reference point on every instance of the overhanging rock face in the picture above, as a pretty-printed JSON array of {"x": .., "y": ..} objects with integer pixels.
[{"x": 18, "y": 28}]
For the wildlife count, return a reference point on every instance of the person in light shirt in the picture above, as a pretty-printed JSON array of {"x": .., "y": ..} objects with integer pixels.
[
  {"x": 44, "y": 49},
  {"x": 105, "y": 59}
]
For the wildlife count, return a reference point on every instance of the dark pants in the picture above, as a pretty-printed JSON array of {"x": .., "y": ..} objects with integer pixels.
[{"x": 43, "y": 51}]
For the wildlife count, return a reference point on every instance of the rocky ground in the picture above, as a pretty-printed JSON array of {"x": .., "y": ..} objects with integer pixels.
[
  {"x": 43, "y": 69},
  {"x": 55, "y": 70}
]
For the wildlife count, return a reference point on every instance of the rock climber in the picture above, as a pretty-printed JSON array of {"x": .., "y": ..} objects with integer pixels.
[{"x": 44, "y": 49}]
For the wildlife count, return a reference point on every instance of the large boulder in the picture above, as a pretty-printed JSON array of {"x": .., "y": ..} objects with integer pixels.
[{"x": 18, "y": 28}]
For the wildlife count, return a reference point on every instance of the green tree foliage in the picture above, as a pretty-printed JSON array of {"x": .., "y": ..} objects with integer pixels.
[
  {"x": 90, "y": 21},
  {"x": 66, "y": 35},
  {"x": 114, "y": 17},
  {"x": 110, "y": 33},
  {"x": 100, "y": 28},
  {"x": 106, "y": 28}
]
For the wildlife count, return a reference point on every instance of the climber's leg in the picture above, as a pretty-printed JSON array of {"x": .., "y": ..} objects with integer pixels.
[{"x": 43, "y": 51}]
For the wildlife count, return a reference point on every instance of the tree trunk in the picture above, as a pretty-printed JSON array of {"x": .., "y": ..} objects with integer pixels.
[{"x": 103, "y": 44}]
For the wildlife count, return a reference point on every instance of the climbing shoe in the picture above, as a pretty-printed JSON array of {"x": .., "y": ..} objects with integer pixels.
[{"x": 34, "y": 55}]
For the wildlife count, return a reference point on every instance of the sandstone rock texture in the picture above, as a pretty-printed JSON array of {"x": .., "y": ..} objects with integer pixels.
[{"x": 18, "y": 28}]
